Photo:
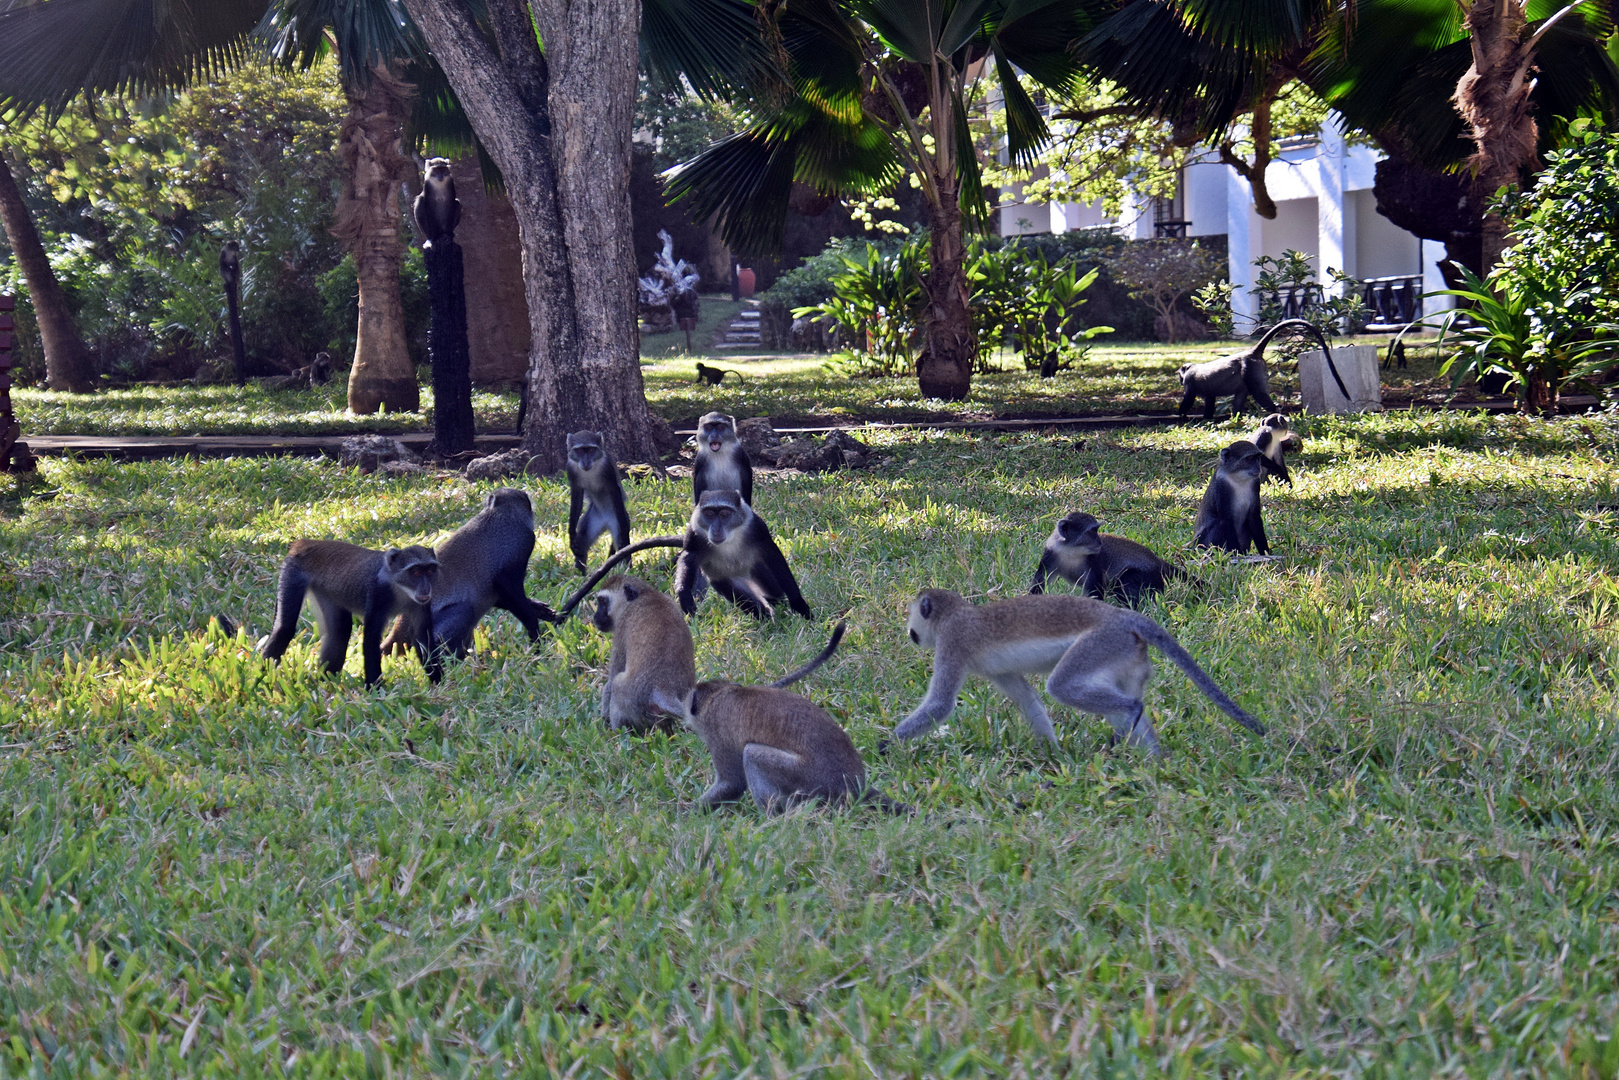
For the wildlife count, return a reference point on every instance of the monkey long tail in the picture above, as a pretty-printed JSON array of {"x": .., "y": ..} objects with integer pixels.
[
  {"x": 825, "y": 655},
  {"x": 613, "y": 560},
  {"x": 1166, "y": 644},
  {"x": 1325, "y": 351}
]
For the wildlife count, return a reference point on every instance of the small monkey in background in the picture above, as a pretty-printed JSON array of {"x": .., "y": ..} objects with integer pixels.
[
  {"x": 1093, "y": 654},
  {"x": 1229, "y": 517},
  {"x": 348, "y": 580},
  {"x": 1078, "y": 550},
  {"x": 713, "y": 376},
  {"x": 436, "y": 209},
  {"x": 593, "y": 482},
  {"x": 1274, "y": 438},
  {"x": 652, "y": 667}
]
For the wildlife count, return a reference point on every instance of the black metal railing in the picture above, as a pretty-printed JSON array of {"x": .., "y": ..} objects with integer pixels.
[
  {"x": 1394, "y": 302},
  {"x": 1170, "y": 229},
  {"x": 1295, "y": 300}
]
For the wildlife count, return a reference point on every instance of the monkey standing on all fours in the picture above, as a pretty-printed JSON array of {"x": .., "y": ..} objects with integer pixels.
[
  {"x": 436, "y": 209},
  {"x": 713, "y": 376},
  {"x": 1077, "y": 548},
  {"x": 777, "y": 746},
  {"x": 730, "y": 544},
  {"x": 593, "y": 479},
  {"x": 482, "y": 565},
  {"x": 1229, "y": 515},
  {"x": 1274, "y": 438},
  {"x": 1243, "y": 373},
  {"x": 349, "y": 580},
  {"x": 1095, "y": 656},
  {"x": 652, "y": 667},
  {"x": 722, "y": 464}
]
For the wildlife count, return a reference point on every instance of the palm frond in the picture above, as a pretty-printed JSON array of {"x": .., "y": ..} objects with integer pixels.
[{"x": 717, "y": 45}]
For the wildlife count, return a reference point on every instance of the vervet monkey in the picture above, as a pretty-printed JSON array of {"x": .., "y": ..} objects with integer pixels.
[
  {"x": 437, "y": 210},
  {"x": 1243, "y": 373},
  {"x": 652, "y": 668},
  {"x": 777, "y": 746},
  {"x": 483, "y": 565},
  {"x": 713, "y": 376},
  {"x": 349, "y": 580},
  {"x": 1093, "y": 654},
  {"x": 722, "y": 464},
  {"x": 1229, "y": 515},
  {"x": 730, "y": 544},
  {"x": 593, "y": 480},
  {"x": 230, "y": 268},
  {"x": 1274, "y": 438},
  {"x": 1077, "y": 549}
]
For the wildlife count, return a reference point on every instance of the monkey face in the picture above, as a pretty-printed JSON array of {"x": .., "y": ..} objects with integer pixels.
[
  {"x": 604, "y": 612},
  {"x": 1081, "y": 531},
  {"x": 585, "y": 449},
  {"x": 717, "y": 514},
  {"x": 716, "y": 429},
  {"x": 413, "y": 569},
  {"x": 919, "y": 627}
]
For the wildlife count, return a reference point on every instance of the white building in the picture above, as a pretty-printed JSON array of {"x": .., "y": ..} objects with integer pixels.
[{"x": 1324, "y": 208}]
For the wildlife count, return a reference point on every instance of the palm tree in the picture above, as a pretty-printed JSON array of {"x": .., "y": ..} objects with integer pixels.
[
  {"x": 46, "y": 60},
  {"x": 878, "y": 88}
]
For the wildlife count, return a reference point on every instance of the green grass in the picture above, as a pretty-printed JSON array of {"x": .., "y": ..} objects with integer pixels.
[
  {"x": 211, "y": 866},
  {"x": 1118, "y": 378}
]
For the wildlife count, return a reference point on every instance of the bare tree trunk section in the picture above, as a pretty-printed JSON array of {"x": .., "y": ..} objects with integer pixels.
[
  {"x": 1493, "y": 98},
  {"x": 945, "y": 368},
  {"x": 593, "y": 54},
  {"x": 583, "y": 370},
  {"x": 67, "y": 361},
  {"x": 370, "y": 145}
]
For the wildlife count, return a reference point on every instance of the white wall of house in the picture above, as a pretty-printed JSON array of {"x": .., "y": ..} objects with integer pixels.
[{"x": 1324, "y": 207}]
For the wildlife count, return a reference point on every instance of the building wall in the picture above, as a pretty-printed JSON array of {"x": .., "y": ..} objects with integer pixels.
[
  {"x": 1294, "y": 227},
  {"x": 1382, "y": 248}
]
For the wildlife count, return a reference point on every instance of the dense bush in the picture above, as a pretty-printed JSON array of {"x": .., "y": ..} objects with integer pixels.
[{"x": 133, "y": 200}]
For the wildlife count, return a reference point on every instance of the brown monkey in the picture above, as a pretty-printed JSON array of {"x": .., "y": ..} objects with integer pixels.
[{"x": 651, "y": 669}]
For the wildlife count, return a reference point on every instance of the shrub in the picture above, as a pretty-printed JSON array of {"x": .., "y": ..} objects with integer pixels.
[{"x": 1163, "y": 273}]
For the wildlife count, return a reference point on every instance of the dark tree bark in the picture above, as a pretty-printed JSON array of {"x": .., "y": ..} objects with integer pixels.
[
  {"x": 945, "y": 368},
  {"x": 452, "y": 368},
  {"x": 1433, "y": 205},
  {"x": 558, "y": 125},
  {"x": 67, "y": 361},
  {"x": 371, "y": 145}
]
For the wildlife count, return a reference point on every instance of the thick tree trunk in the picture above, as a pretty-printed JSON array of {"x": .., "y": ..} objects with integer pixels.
[
  {"x": 1493, "y": 97},
  {"x": 945, "y": 368},
  {"x": 67, "y": 361},
  {"x": 368, "y": 220},
  {"x": 558, "y": 125},
  {"x": 453, "y": 431}
]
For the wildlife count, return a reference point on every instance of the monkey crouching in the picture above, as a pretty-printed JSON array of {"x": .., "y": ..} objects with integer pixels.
[
  {"x": 731, "y": 545},
  {"x": 1229, "y": 517},
  {"x": 652, "y": 668},
  {"x": 1079, "y": 551},
  {"x": 348, "y": 580},
  {"x": 436, "y": 209},
  {"x": 778, "y": 747},
  {"x": 1093, "y": 654}
]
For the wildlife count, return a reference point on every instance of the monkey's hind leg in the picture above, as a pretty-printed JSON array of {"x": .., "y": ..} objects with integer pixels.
[
  {"x": 1104, "y": 672},
  {"x": 289, "y": 601},
  {"x": 744, "y": 595},
  {"x": 452, "y": 628},
  {"x": 1017, "y": 688},
  {"x": 775, "y": 776},
  {"x": 509, "y": 595}
]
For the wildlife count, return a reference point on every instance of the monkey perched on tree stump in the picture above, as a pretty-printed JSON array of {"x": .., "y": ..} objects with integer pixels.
[{"x": 437, "y": 212}]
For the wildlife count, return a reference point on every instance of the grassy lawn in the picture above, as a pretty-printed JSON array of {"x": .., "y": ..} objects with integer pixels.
[
  {"x": 209, "y": 866},
  {"x": 1118, "y": 378}
]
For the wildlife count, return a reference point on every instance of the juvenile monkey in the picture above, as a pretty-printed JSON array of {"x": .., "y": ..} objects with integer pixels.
[
  {"x": 482, "y": 565},
  {"x": 713, "y": 376},
  {"x": 1078, "y": 549},
  {"x": 730, "y": 545},
  {"x": 349, "y": 580},
  {"x": 437, "y": 210},
  {"x": 777, "y": 746},
  {"x": 1229, "y": 515},
  {"x": 593, "y": 479},
  {"x": 722, "y": 464},
  {"x": 1243, "y": 373},
  {"x": 1274, "y": 438},
  {"x": 652, "y": 668},
  {"x": 1093, "y": 654}
]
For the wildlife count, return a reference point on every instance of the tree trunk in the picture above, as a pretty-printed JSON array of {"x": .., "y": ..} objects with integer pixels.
[
  {"x": 1539, "y": 396},
  {"x": 453, "y": 430},
  {"x": 368, "y": 221},
  {"x": 1493, "y": 97},
  {"x": 944, "y": 370},
  {"x": 558, "y": 125},
  {"x": 67, "y": 361}
]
